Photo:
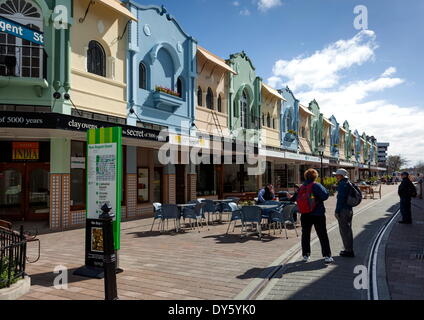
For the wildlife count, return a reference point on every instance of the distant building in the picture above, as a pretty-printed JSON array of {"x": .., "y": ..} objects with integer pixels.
[{"x": 382, "y": 153}]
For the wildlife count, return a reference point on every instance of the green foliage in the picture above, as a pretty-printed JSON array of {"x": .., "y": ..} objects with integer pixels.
[
  {"x": 247, "y": 203},
  {"x": 3, "y": 274},
  {"x": 329, "y": 183}
]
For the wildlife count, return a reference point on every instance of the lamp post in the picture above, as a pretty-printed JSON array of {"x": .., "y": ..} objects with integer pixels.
[{"x": 321, "y": 150}]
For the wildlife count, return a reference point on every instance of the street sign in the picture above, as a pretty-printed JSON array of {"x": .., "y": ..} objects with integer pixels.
[{"x": 19, "y": 30}]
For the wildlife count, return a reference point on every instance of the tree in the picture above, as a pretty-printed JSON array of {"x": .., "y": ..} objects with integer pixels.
[
  {"x": 395, "y": 163},
  {"x": 419, "y": 167}
]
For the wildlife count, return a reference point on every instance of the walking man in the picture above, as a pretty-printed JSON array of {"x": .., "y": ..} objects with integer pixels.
[
  {"x": 406, "y": 192},
  {"x": 344, "y": 213}
]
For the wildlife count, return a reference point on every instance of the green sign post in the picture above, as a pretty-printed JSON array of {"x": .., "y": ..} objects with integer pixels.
[{"x": 104, "y": 186}]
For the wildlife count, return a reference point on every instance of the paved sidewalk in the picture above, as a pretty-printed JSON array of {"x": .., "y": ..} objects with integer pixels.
[
  {"x": 405, "y": 257},
  {"x": 190, "y": 265},
  {"x": 315, "y": 280}
]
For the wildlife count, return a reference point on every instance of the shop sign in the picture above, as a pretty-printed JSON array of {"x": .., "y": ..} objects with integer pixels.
[
  {"x": 189, "y": 141},
  {"x": 25, "y": 151},
  {"x": 302, "y": 157},
  {"x": 77, "y": 163},
  {"x": 346, "y": 164},
  {"x": 104, "y": 186},
  {"x": 19, "y": 30}
]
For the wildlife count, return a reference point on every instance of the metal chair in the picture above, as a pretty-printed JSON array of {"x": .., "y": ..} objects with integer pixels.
[
  {"x": 234, "y": 199},
  {"x": 170, "y": 211},
  {"x": 252, "y": 214},
  {"x": 210, "y": 208},
  {"x": 235, "y": 215},
  {"x": 158, "y": 213},
  {"x": 283, "y": 215},
  {"x": 195, "y": 213},
  {"x": 376, "y": 191}
]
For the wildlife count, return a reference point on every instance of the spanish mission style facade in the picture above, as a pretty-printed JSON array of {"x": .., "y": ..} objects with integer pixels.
[{"x": 125, "y": 64}]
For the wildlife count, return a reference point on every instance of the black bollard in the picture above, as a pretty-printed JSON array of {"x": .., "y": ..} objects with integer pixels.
[{"x": 111, "y": 290}]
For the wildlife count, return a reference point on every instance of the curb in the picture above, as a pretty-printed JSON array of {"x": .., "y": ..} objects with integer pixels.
[{"x": 16, "y": 290}]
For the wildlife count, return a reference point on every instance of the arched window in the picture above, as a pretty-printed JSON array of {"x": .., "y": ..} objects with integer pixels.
[
  {"x": 199, "y": 97},
  {"x": 303, "y": 132},
  {"x": 289, "y": 121},
  {"x": 142, "y": 76},
  {"x": 219, "y": 104},
  {"x": 24, "y": 8},
  {"x": 244, "y": 112},
  {"x": 209, "y": 99},
  {"x": 268, "y": 121},
  {"x": 263, "y": 119},
  {"x": 96, "y": 59},
  {"x": 273, "y": 123},
  {"x": 180, "y": 86}
]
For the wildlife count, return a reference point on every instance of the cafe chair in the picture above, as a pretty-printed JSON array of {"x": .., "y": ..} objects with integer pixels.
[
  {"x": 376, "y": 190},
  {"x": 196, "y": 214},
  {"x": 158, "y": 213},
  {"x": 170, "y": 212},
  {"x": 235, "y": 215},
  {"x": 253, "y": 215},
  {"x": 282, "y": 216},
  {"x": 211, "y": 209}
]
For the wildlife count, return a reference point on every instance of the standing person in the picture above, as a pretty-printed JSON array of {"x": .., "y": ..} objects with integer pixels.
[
  {"x": 406, "y": 192},
  {"x": 344, "y": 213},
  {"x": 266, "y": 194},
  {"x": 420, "y": 184},
  {"x": 310, "y": 201}
]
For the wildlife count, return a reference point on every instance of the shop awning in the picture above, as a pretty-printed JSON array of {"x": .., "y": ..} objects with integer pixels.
[
  {"x": 305, "y": 109},
  {"x": 272, "y": 91},
  {"x": 328, "y": 121},
  {"x": 117, "y": 7},
  {"x": 214, "y": 59}
]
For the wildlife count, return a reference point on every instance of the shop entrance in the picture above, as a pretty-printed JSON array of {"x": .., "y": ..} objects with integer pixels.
[
  {"x": 24, "y": 191},
  {"x": 180, "y": 183}
]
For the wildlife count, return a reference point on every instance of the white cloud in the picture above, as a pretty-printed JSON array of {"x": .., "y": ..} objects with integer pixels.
[
  {"x": 320, "y": 76},
  {"x": 265, "y": 5},
  {"x": 236, "y": 3},
  {"x": 321, "y": 69},
  {"x": 389, "y": 71},
  {"x": 245, "y": 12}
]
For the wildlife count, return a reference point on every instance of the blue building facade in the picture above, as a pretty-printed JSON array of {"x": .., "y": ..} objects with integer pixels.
[
  {"x": 335, "y": 137},
  {"x": 161, "y": 70},
  {"x": 289, "y": 121}
]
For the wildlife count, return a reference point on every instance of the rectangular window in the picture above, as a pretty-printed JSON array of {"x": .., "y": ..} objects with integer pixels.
[
  {"x": 207, "y": 180},
  {"x": 78, "y": 175},
  {"x": 143, "y": 185}
]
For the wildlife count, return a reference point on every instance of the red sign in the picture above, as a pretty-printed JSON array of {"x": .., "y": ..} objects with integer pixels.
[{"x": 26, "y": 151}]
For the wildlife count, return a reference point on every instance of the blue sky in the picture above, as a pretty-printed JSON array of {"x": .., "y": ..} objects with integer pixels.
[{"x": 296, "y": 41}]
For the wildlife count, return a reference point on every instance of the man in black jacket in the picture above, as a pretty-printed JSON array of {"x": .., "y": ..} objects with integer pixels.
[{"x": 406, "y": 192}]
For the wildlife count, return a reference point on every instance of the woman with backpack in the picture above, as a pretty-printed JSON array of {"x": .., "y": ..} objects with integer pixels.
[{"x": 310, "y": 202}]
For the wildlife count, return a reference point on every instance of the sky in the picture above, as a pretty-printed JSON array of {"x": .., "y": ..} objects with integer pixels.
[{"x": 370, "y": 74}]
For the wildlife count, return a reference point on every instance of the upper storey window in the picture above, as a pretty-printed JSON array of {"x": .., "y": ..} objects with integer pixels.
[
  {"x": 199, "y": 96},
  {"x": 209, "y": 99},
  {"x": 244, "y": 110},
  {"x": 143, "y": 76},
  {"x": 96, "y": 59}
]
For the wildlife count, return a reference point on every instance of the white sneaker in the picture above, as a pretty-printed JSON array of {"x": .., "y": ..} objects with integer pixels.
[
  {"x": 306, "y": 258},
  {"x": 328, "y": 260}
]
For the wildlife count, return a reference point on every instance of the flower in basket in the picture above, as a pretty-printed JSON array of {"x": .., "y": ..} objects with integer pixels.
[
  {"x": 167, "y": 91},
  {"x": 292, "y": 132}
]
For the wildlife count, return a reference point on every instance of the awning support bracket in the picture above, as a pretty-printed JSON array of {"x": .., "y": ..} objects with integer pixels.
[{"x": 81, "y": 20}]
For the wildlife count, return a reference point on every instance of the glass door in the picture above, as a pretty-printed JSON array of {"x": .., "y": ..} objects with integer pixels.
[
  {"x": 11, "y": 192},
  {"x": 38, "y": 186}
]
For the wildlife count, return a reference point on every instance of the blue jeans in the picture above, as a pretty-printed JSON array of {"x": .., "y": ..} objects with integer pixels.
[{"x": 406, "y": 209}]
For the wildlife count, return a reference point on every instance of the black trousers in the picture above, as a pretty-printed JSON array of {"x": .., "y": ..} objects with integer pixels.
[
  {"x": 320, "y": 224},
  {"x": 406, "y": 209}
]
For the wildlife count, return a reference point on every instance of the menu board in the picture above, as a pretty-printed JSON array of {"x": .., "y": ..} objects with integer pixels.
[
  {"x": 101, "y": 178},
  {"x": 143, "y": 185}
]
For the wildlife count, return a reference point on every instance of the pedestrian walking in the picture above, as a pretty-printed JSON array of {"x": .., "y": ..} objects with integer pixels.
[
  {"x": 406, "y": 192},
  {"x": 310, "y": 202},
  {"x": 344, "y": 212}
]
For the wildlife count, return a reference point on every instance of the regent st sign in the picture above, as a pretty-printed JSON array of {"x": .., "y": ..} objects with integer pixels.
[
  {"x": 19, "y": 30},
  {"x": 58, "y": 121}
]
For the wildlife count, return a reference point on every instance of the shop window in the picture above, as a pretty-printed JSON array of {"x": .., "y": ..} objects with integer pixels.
[
  {"x": 206, "y": 180},
  {"x": 143, "y": 185},
  {"x": 143, "y": 76},
  {"x": 96, "y": 59},
  {"x": 78, "y": 175},
  {"x": 199, "y": 97},
  {"x": 219, "y": 104},
  {"x": 209, "y": 99}
]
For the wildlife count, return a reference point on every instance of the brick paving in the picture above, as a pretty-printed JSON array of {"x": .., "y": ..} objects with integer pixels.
[
  {"x": 404, "y": 270},
  {"x": 315, "y": 280},
  {"x": 190, "y": 265}
]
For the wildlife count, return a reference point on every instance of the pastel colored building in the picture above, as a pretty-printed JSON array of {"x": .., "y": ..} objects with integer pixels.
[
  {"x": 289, "y": 121},
  {"x": 270, "y": 118}
]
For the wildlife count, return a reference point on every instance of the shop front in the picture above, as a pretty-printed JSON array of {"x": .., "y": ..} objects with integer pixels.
[{"x": 24, "y": 180}]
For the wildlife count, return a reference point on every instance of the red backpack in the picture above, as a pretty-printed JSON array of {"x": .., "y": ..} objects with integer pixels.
[{"x": 305, "y": 199}]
